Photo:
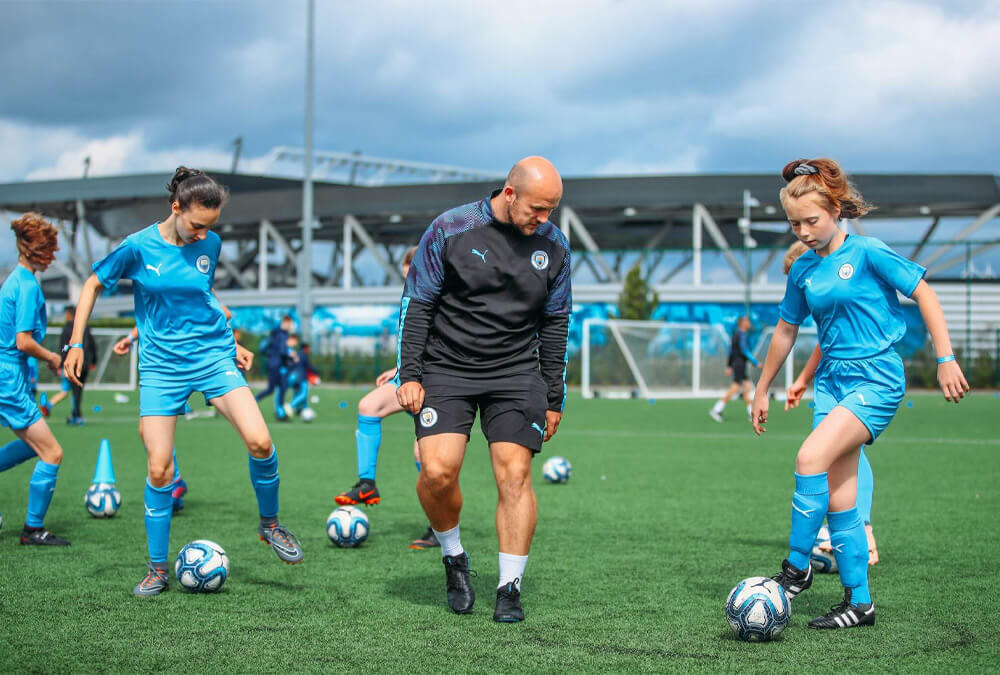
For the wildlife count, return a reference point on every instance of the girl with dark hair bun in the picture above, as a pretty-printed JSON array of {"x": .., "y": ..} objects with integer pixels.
[
  {"x": 187, "y": 346},
  {"x": 23, "y": 321},
  {"x": 849, "y": 285}
]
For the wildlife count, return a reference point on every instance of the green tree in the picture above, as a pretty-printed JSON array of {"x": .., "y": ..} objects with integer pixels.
[{"x": 637, "y": 300}]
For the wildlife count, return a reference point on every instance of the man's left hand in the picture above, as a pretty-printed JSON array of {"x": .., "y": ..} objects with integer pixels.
[{"x": 552, "y": 420}]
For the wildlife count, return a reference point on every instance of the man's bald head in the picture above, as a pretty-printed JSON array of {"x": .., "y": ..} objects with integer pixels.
[
  {"x": 532, "y": 173},
  {"x": 532, "y": 191}
]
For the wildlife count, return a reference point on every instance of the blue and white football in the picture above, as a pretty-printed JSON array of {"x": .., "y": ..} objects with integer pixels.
[
  {"x": 347, "y": 526},
  {"x": 103, "y": 500},
  {"x": 557, "y": 469},
  {"x": 757, "y": 609},
  {"x": 202, "y": 566}
]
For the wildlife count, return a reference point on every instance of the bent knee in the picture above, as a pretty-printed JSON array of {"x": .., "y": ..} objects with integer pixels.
[
  {"x": 438, "y": 478},
  {"x": 160, "y": 476},
  {"x": 260, "y": 446}
]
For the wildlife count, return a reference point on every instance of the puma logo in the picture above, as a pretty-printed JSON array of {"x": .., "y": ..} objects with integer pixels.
[
  {"x": 481, "y": 255},
  {"x": 155, "y": 269}
]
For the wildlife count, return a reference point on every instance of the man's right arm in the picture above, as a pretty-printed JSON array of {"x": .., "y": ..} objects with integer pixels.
[{"x": 420, "y": 296}]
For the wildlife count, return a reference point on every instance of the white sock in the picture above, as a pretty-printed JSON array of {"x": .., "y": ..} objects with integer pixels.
[
  {"x": 749, "y": 408},
  {"x": 451, "y": 542},
  {"x": 719, "y": 406},
  {"x": 512, "y": 569}
]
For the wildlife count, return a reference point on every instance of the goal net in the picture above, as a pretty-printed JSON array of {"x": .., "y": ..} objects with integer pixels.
[
  {"x": 112, "y": 372},
  {"x": 652, "y": 359}
]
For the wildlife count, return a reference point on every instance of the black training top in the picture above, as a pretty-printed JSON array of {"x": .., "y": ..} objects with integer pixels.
[{"x": 483, "y": 300}]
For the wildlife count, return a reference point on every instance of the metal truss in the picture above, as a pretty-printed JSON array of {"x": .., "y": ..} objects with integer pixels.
[{"x": 371, "y": 170}]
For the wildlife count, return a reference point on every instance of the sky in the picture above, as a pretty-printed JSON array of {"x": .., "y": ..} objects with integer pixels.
[
  {"x": 601, "y": 87},
  {"x": 608, "y": 87}
]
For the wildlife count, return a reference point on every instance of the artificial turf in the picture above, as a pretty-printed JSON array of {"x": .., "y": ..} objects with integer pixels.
[{"x": 665, "y": 511}]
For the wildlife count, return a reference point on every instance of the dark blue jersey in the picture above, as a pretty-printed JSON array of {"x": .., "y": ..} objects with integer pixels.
[{"x": 484, "y": 300}]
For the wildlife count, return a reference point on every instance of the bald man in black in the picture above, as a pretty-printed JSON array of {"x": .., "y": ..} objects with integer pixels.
[{"x": 483, "y": 326}]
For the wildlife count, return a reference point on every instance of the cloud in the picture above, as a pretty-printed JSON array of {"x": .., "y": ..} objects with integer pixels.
[
  {"x": 889, "y": 73},
  {"x": 606, "y": 86}
]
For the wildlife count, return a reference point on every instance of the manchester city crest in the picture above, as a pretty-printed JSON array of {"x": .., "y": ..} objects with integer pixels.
[
  {"x": 428, "y": 417},
  {"x": 846, "y": 271},
  {"x": 203, "y": 263},
  {"x": 539, "y": 260}
]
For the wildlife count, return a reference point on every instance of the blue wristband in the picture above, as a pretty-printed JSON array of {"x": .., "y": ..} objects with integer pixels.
[
  {"x": 75, "y": 345},
  {"x": 946, "y": 359}
]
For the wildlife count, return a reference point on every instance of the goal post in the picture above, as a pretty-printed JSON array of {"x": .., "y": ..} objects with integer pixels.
[
  {"x": 652, "y": 359},
  {"x": 664, "y": 359},
  {"x": 111, "y": 372}
]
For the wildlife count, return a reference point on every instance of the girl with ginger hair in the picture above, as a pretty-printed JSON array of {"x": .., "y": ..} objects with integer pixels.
[
  {"x": 23, "y": 320},
  {"x": 849, "y": 284}
]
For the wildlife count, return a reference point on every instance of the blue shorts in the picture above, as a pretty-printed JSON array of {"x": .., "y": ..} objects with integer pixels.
[
  {"x": 18, "y": 409},
  {"x": 65, "y": 384},
  {"x": 162, "y": 396},
  {"x": 871, "y": 389}
]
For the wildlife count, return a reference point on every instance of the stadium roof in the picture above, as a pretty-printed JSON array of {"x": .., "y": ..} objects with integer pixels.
[{"x": 619, "y": 212}]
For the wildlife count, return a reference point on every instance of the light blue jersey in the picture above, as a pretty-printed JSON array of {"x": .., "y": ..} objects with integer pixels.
[
  {"x": 22, "y": 310},
  {"x": 851, "y": 294},
  {"x": 183, "y": 328}
]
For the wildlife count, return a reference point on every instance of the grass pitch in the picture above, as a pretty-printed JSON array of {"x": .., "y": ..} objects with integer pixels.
[{"x": 631, "y": 564}]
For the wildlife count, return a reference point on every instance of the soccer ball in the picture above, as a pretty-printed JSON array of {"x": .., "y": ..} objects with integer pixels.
[
  {"x": 822, "y": 561},
  {"x": 757, "y": 609},
  {"x": 308, "y": 414},
  {"x": 202, "y": 566},
  {"x": 347, "y": 526},
  {"x": 102, "y": 500},
  {"x": 557, "y": 469}
]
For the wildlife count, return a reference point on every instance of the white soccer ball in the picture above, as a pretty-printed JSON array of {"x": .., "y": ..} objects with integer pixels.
[
  {"x": 308, "y": 415},
  {"x": 757, "y": 609},
  {"x": 347, "y": 526},
  {"x": 103, "y": 500},
  {"x": 822, "y": 561},
  {"x": 202, "y": 566},
  {"x": 557, "y": 469}
]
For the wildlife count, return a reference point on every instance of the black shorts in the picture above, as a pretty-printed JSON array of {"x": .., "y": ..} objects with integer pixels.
[
  {"x": 511, "y": 409},
  {"x": 739, "y": 370}
]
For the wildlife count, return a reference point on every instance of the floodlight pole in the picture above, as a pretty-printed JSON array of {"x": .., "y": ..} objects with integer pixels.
[
  {"x": 305, "y": 255},
  {"x": 748, "y": 242}
]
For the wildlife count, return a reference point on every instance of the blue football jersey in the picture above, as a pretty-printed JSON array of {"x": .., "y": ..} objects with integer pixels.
[
  {"x": 181, "y": 322},
  {"x": 22, "y": 310},
  {"x": 851, "y": 294}
]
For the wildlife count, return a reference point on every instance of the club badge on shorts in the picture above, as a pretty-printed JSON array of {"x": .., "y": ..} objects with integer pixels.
[
  {"x": 428, "y": 417},
  {"x": 203, "y": 263},
  {"x": 539, "y": 260},
  {"x": 846, "y": 271}
]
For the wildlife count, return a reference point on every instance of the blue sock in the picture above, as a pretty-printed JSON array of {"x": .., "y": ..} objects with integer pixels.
[
  {"x": 809, "y": 504},
  {"x": 850, "y": 546},
  {"x": 418, "y": 466},
  {"x": 369, "y": 438},
  {"x": 43, "y": 484},
  {"x": 159, "y": 509},
  {"x": 866, "y": 488},
  {"x": 14, "y": 453},
  {"x": 264, "y": 477},
  {"x": 177, "y": 469}
]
